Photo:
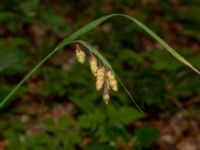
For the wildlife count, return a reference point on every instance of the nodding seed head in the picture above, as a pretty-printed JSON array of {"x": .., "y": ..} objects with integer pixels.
[
  {"x": 112, "y": 80},
  {"x": 93, "y": 65},
  {"x": 80, "y": 54},
  {"x": 100, "y": 78}
]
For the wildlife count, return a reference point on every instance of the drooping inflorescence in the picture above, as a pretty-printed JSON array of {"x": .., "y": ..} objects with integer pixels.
[{"x": 105, "y": 77}]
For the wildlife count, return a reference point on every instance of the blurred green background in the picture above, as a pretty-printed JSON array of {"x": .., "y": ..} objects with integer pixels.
[{"x": 59, "y": 109}]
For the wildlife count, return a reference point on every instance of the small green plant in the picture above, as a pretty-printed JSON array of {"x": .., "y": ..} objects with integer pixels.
[{"x": 102, "y": 80}]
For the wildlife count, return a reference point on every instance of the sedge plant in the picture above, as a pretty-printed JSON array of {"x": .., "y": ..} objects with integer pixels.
[{"x": 106, "y": 78}]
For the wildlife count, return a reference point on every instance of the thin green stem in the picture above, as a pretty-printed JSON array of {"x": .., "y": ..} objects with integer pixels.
[{"x": 129, "y": 94}]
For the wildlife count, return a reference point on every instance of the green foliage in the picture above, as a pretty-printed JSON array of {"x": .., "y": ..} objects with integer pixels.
[
  {"x": 12, "y": 59},
  {"x": 128, "y": 54},
  {"x": 57, "y": 135},
  {"x": 123, "y": 115},
  {"x": 146, "y": 136},
  {"x": 55, "y": 22},
  {"x": 184, "y": 87},
  {"x": 100, "y": 147},
  {"x": 53, "y": 84},
  {"x": 96, "y": 124},
  {"x": 162, "y": 60}
]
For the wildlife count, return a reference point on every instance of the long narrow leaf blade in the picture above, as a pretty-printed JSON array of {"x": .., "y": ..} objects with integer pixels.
[{"x": 98, "y": 21}]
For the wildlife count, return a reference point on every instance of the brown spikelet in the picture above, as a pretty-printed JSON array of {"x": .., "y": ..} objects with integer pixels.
[
  {"x": 106, "y": 96},
  {"x": 100, "y": 78},
  {"x": 93, "y": 65},
  {"x": 80, "y": 54},
  {"x": 112, "y": 80}
]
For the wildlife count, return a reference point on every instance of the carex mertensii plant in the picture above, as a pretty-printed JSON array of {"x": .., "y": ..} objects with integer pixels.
[{"x": 106, "y": 79}]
